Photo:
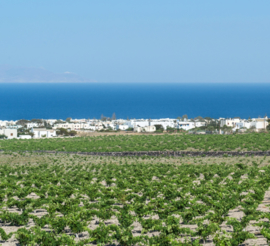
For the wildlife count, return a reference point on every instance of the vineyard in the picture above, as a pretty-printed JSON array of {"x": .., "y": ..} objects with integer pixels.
[
  {"x": 177, "y": 142},
  {"x": 77, "y": 200}
]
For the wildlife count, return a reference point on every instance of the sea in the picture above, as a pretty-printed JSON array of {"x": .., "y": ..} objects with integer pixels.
[{"x": 133, "y": 100}]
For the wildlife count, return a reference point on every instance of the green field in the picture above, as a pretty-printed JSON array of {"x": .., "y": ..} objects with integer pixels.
[
  {"x": 76, "y": 200},
  {"x": 177, "y": 142}
]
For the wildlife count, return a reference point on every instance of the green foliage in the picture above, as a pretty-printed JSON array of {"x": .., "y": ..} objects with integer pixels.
[
  {"x": 5, "y": 236},
  {"x": 163, "y": 199},
  {"x": 65, "y": 132},
  {"x": 116, "y": 143}
]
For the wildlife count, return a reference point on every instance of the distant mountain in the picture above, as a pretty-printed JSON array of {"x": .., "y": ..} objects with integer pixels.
[{"x": 29, "y": 74}]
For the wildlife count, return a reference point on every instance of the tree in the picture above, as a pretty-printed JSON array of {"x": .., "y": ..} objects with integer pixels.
[
  {"x": 59, "y": 121},
  {"x": 68, "y": 119},
  {"x": 22, "y": 122},
  {"x": 226, "y": 128},
  {"x": 184, "y": 116},
  {"x": 211, "y": 128},
  {"x": 159, "y": 128},
  {"x": 268, "y": 127},
  {"x": 37, "y": 121},
  {"x": 199, "y": 118},
  {"x": 113, "y": 116},
  {"x": 72, "y": 133},
  {"x": 62, "y": 131},
  {"x": 214, "y": 124},
  {"x": 103, "y": 118},
  {"x": 65, "y": 132}
]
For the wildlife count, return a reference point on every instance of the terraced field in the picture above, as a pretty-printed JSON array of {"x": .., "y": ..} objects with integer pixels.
[{"x": 76, "y": 200}]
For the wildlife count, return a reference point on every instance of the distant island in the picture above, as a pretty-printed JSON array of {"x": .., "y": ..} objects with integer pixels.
[{"x": 14, "y": 74}]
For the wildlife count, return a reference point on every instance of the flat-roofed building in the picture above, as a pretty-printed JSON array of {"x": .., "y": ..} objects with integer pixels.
[
  {"x": 43, "y": 132},
  {"x": 9, "y": 133}
]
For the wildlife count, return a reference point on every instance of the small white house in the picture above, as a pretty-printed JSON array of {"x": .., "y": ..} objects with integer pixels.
[
  {"x": 199, "y": 123},
  {"x": 43, "y": 132},
  {"x": 185, "y": 125},
  {"x": 9, "y": 133},
  {"x": 166, "y": 123},
  {"x": 231, "y": 122},
  {"x": 150, "y": 129},
  {"x": 145, "y": 129},
  {"x": 261, "y": 123}
]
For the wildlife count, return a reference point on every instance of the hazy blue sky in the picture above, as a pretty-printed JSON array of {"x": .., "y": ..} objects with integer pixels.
[{"x": 140, "y": 40}]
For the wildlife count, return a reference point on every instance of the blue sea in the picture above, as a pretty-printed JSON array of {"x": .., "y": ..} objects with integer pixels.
[{"x": 133, "y": 100}]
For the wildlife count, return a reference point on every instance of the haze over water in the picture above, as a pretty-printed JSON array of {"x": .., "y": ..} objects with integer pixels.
[{"x": 133, "y": 100}]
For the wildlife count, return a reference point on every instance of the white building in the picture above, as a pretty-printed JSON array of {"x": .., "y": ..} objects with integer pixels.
[
  {"x": 14, "y": 126},
  {"x": 110, "y": 125},
  {"x": 51, "y": 121},
  {"x": 6, "y": 123},
  {"x": 31, "y": 125},
  {"x": 257, "y": 124},
  {"x": 231, "y": 122},
  {"x": 3, "y": 123},
  {"x": 185, "y": 125},
  {"x": 9, "y": 133},
  {"x": 261, "y": 123},
  {"x": 122, "y": 127},
  {"x": 78, "y": 120},
  {"x": 150, "y": 129},
  {"x": 165, "y": 123},
  {"x": 145, "y": 129},
  {"x": 137, "y": 123},
  {"x": 43, "y": 132},
  {"x": 72, "y": 126},
  {"x": 198, "y": 123}
]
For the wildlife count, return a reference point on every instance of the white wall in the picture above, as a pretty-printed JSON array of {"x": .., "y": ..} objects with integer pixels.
[
  {"x": 25, "y": 137},
  {"x": 229, "y": 122},
  {"x": 150, "y": 129},
  {"x": 73, "y": 126},
  {"x": 185, "y": 125},
  {"x": 41, "y": 133},
  {"x": 122, "y": 127},
  {"x": 10, "y": 133},
  {"x": 31, "y": 125}
]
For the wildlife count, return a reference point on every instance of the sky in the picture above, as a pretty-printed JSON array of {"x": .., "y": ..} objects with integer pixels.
[{"x": 140, "y": 40}]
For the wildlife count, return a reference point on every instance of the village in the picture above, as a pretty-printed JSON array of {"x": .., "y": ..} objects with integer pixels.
[{"x": 49, "y": 128}]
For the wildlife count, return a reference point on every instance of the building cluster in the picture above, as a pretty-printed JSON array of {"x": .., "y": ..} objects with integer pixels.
[
  {"x": 24, "y": 129},
  {"x": 243, "y": 124}
]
